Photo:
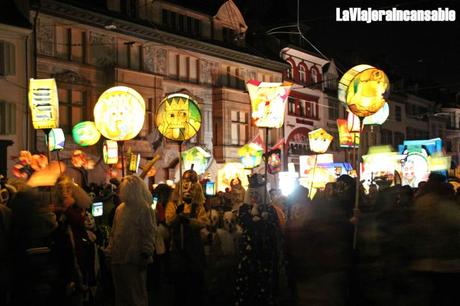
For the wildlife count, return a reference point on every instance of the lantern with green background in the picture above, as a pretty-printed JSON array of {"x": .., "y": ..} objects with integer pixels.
[{"x": 85, "y": 133}]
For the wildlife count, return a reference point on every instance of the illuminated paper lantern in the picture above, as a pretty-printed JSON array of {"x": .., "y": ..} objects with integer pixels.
[
  {"x": 198, "y": 157},
  {"x": 56, "y": 140},
  {"x": 44, "y": 103},
  {"x": 319, "y": 140},
  {"x": 274, "y": 161},
  {"x": 439, "y": 162},
  {"x": 119, "y": 113},
  {"x": 268, "y": 102},
  {"x": 250, "y": 155},
  {"x": 110, "y": 152},
  {"x": 363, "y": 89},
  {"x": 178, "y": 117},
  {"x": 346, "y": 138},
  {"x": 229, "y": 172},
  {"x": 307, "y": 162},
  {"x": 134, "y": 161},
  {"x": 85, "y": 133},
  {"x": 379, "y": 117},
  {"x": 353, "y": 123}
]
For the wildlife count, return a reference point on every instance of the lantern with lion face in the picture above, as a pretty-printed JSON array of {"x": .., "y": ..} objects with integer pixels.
[{"x": 119, "y": 113}]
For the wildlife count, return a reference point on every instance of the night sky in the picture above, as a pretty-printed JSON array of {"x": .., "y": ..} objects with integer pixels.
[{"x": 423, "y": 52}]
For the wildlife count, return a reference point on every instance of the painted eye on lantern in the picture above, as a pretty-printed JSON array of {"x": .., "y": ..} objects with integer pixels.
[{"x": 172, "y": 115}]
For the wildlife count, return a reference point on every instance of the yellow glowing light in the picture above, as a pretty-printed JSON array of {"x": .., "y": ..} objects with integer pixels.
[
  {"x": 346, "y": 138},
  {"x": 439, "y": 162},
  {"x": 85, "y": 134},
  {"x": 44, "y": 103},
  {"x": 178, "y": 117},
  {"x": 319, "y": 140},
  {"x": 110, "y": 152},
  {"x": 119, "y": 113},
  {"x": 362, "y": 89},
  {"x": 229, "y": 172},
  {"x": 268, "y": 102}
]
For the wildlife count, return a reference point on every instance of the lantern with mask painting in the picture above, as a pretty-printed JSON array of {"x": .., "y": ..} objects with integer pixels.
[
  {"x": 363, "y": 89},
  {"x": 85, "y": 134},
  {"x": 110, "y": 152},
  {"x": 119, "y": 113},
  {"x": 319, "y": 140},
  {"x": 268, "y": 102},
  {"x": 178, "y": 117}
]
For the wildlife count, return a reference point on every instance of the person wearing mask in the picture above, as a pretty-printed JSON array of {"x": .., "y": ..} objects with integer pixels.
[{"x": 131, "y": 243}]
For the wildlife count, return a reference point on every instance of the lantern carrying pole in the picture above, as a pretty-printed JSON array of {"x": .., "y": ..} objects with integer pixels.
[
  {"x": 358, "y": 181},
  {"x": 122, "y": 159},
  {"x": 313, "y": 175},
  {"x": 180, "y": 193},
  {"x": 266, "y": 164}
]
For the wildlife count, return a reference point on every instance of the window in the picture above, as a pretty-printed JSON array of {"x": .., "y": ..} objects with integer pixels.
[
  {"x": 302, "y": 74},
  {"x": 71, "y": 44},
  {"x": 72, "y": 105},
  {"x": 129, "y": 7},
  {"x": 239, "y": 127},
  {"x": 7, "y": 58},
  {"x": 333, "y": 110},
  {"x": 7, "y": 118},
  {"x": 387, "y": 137},
  {"x": 180, "y": 23},
  {"x": 289, "y": 72},
  {"x": 228, "y": 35},
  {"x": 302, "y": 108},
  {"x": 399, "y": 138},
  {"x": 398, "y": 113},
  {"x": 314, "y": 76},
  {"x": 172, "y": 64},
  {"x": 291, "y": 106}
]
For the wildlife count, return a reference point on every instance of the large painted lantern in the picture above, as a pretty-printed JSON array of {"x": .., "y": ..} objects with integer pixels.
[
  {"x": 250, "y": 155},
  {"x": 110, "y": 152},
  {"x": 56, "y": 140},
  {"x": 268, "y": 102},
  {"x": 44, "y": 103},
  {"x": 379, "y": 117},
  {"x": 178, "y": 117},
  {"x": 119, "y": 113},
  {"x": 198, "y": 157},
  {"x": 319, "y": 140},
  {"x": 85, "y": 134},
  {"x": 363, "y": 89}
]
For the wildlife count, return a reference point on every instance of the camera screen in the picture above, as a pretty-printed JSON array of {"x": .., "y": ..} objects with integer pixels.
[
  {"x": 154, "y": 203},
  {"x": 97, "y": 209}
]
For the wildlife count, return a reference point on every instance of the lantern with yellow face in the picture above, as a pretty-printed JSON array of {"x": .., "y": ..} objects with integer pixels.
[
  {"x": 363, "y": 89},
  {"x": 319, "y": 140},
  {"x": 178, "y": 117},
  {"x": 119, "y": 113}
]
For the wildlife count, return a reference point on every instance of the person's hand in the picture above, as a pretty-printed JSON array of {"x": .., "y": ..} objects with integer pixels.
[{"x": 356, "y": 215}]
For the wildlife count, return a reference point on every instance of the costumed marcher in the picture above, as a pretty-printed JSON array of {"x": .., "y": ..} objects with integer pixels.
[
  {"x": 131, "y": 245},
  {"x": 258, "y": 271},
  {"x": 75, "y": 201},
  {"x": 186, "y": 216},
  {"x": 237, "y": 193},
  {"x": 6, "y": 193}
]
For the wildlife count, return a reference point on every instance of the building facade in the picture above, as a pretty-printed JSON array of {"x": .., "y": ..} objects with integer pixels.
[
  {"x": 157, "y": 48},
  {"x": 15, "y": 45}
]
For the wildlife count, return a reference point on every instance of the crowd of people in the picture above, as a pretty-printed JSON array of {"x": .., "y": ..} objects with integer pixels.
[{"x": 176, "y": 246}]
